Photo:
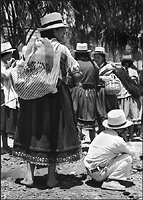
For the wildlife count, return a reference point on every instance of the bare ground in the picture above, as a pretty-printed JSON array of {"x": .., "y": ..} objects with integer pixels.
[{"x": 74, "y": 182}]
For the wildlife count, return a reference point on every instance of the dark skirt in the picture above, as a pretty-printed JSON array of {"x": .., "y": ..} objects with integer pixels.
[
  {"x": 8, "y": 118},
  {"x": 47, "y": 132},
  {"x": 108, "y": 102},
  {"x": 87, "y": 107}
]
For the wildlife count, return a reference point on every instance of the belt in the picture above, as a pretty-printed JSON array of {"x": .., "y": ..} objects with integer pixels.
[{"x": 96, "y": 169}]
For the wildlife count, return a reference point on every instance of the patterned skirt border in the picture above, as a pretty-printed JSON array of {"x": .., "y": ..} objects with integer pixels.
[{"x": 44, "y": 161}]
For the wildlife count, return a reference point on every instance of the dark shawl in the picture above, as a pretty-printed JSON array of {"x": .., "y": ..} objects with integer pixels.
[{"x": 131, "y": 86}]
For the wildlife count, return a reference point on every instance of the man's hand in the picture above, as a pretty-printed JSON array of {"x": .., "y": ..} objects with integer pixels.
[{"x": 124, "y": 135}]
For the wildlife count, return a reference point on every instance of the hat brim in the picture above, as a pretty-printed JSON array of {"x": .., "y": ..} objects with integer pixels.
[
  {"x": 78, "y": 51},
  {"x": 8, "y": 51},
  {"x": 128, "y": 59},
  {"x": 60, "y": 25},
  {"x": 105, "y": 124}
]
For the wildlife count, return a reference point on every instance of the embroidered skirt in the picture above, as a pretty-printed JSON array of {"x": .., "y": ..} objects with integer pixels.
[{"x": 47, "y": 132}]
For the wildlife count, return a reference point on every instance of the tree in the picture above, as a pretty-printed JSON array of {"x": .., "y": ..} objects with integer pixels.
[{"x": 112, "y": 24}]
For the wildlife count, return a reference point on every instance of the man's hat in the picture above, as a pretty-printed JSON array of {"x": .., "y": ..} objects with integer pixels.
[
  {"x": 6, "y": 48},
  {"x": 82, "y": 48},
  {"x": 51, "y": 21},
  {"x": 116, "y": 120},
  {"x": 127, "y": 58}
]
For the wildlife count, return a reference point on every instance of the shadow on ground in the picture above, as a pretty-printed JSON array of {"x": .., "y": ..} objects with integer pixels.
[
  {"x": 65, "y": 181},
  {"x": 93, "y": 183}
]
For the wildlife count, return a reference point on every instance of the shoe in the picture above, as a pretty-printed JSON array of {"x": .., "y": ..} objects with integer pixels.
[{"x": 113, "y": 185}]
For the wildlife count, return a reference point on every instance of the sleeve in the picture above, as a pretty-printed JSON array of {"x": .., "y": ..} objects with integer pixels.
[
  {"x": 133, "y": 74},
  {"x": 71, "y": 62},
  {"x": 125, "y": 147},
  {"x": 5, "y": 73},
  {"x": 73, "y": 68}
]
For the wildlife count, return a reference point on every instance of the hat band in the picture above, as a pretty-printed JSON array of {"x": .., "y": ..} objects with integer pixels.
[
  {"x": 82, "y": 50},
  {"x": 52, "y": 23},
  {"x": 111, "y": 125},
  {"x": 6, "y": 50},
  {"x": 100, "y": 52}
]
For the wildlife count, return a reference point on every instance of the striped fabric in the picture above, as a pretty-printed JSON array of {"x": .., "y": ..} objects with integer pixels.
[{"x": 39, "y": 75}]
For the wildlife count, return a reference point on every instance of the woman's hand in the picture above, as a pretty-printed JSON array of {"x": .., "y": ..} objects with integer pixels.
[{"x": 11, "y": 62}]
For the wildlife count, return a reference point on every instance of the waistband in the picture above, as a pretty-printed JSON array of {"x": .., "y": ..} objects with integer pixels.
[{"x": 88, "y": 86}]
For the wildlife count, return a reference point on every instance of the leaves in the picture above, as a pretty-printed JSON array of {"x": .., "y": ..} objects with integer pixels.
[{"x": 113, "y": 24}]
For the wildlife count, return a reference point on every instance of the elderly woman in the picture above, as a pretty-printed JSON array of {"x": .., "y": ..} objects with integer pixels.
[{"x": 109, "y": 102}]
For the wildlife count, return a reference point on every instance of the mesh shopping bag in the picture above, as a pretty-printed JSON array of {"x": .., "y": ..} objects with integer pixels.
[{"x": 39, "y": 74}]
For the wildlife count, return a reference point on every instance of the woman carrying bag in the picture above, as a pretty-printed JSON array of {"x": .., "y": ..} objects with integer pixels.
[{"x": 47, "y": 134}]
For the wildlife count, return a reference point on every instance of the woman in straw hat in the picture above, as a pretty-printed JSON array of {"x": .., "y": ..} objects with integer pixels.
[
  {"x": 106, "y": 70},
  {"x": 47, "y": 134},
  {"x": 86, "y": 102},
  {"x": 109, "y": 157},
  {"x": 9, "y": 98}
]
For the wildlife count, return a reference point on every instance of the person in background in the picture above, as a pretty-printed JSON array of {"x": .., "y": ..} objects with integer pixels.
[
  {"x": 47, "y": 134},
  {"x": 9, "y": 98},
  {"x": 87, "y": 105},
  {"x": 106, "y": 70},
  {"x": 109, "y": 156},
  {"x": 141, "y": 93},
  {"x": 129, "y": 97}
]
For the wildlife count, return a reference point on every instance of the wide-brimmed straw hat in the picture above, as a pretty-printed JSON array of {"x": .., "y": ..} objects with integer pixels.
[
  {"x": 99, "y": 50},
  {"x": 6, "y": 48},
  {"x": 127, "y": 58},
  {"x": 116, "y": 120},
  {"x": 51, "y": 21},
  {"x": 82, "y": 48}
]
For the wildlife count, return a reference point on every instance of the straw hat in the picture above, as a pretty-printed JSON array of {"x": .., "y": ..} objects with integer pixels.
[
  {"x": 127, "y": 58},
  {"x": 116, "y": 120},
  {"x": 6, "y": 48},
  {"x": 82, "y": 48},
  {"x": 51, "y": 21},
  {"x": 99, "y": 50}
]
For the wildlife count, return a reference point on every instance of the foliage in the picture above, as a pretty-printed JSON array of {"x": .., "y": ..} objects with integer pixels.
[{"x": 113, "y": 24}]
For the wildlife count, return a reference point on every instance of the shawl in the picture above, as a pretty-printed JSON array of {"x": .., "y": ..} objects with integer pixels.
[{"x": 131, "y": 86}]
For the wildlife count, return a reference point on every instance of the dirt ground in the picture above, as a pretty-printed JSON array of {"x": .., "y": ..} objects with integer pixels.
[{"x": 74, "y": 182}]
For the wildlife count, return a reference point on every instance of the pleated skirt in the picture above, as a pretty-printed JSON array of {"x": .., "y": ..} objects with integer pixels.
[{"x": 87, "y": 107}]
